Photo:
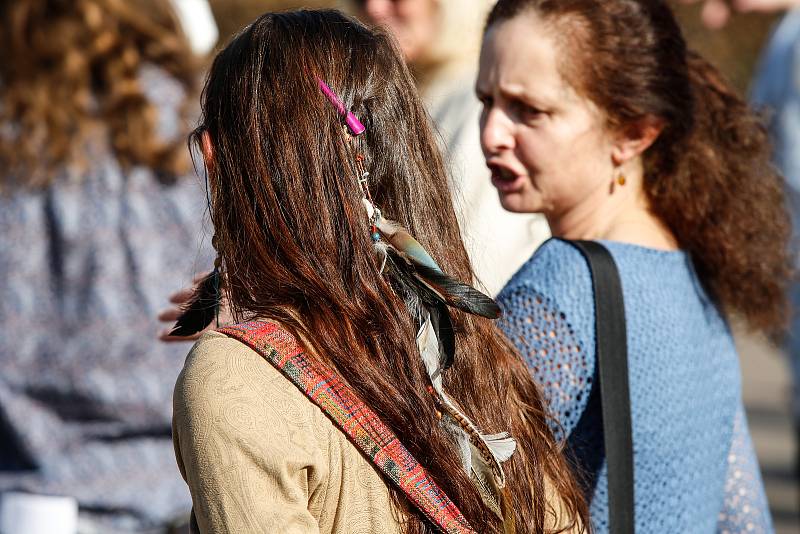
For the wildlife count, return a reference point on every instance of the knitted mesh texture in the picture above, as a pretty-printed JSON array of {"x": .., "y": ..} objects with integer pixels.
[{"x": 695, "y": 469}]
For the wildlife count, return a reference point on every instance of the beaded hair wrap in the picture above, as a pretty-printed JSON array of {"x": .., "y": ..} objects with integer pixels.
[{"x": 428, "y": 293}]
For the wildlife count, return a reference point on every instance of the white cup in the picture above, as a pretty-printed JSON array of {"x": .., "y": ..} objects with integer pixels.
[{"x": 26, "y": 513}]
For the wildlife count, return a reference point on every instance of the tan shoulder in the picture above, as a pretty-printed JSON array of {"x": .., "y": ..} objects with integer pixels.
[
  {"x": 245, "y": 440},
  {"x": 213, "y": 347},
  {"x": 216, "y": 363},
  {"x": 223, "y": 375},
  {"x": 259, "y": 456}
]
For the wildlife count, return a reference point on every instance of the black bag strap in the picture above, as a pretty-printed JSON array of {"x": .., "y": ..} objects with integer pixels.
[{"x": 612, "y": 360}]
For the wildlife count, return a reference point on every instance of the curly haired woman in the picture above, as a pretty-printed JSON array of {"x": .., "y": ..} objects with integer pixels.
[{"x": 597, "y": 115}]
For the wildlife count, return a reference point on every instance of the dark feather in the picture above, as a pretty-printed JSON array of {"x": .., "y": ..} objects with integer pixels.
[
  {"x": 443, "y": 326},
  {"x": 458, "y": 294},
  {"x": 402, "y": 272},
  {"x": 434, "y": 287},
  {"x": 201, "y": 309},
  {"x": 436, "y": 291}
]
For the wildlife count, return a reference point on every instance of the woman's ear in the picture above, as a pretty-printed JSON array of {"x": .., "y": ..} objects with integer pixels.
[
  {"x": 635, "y": 138},
  {"x": 207, "y": 148}
]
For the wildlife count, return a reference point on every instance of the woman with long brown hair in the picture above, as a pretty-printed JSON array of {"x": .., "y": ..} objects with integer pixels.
[
  {"x": 597, "y": 115},
  {"x": 314, "y": 137}
]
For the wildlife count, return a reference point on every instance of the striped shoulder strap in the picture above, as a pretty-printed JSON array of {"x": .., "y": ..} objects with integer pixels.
[{"x": 354, "y": 418}]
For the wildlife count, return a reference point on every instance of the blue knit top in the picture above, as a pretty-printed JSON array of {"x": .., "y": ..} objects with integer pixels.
[{"x": 695, "y": 468}]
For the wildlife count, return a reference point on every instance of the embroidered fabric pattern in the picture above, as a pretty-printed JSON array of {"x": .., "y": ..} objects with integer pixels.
[{"x": 354, "y": 418}]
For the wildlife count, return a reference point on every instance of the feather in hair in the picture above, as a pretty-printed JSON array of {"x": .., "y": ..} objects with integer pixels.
[
  {"x": 201, "y": 309},
  {"x": 428, "y": 292},
  {"x": 491, "y": 449},
  {"x": 427, "y": 272}
]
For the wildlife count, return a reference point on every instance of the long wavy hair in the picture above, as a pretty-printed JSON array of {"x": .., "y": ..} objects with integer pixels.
[
  {"x": 708, "y": 175},
  {"x": 293, "y": 237},
  {"x": 70, "y": 69}
]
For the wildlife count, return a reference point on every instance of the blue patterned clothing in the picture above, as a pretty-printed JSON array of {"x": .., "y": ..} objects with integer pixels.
[
  {"x": 85, "y": 386},
  {"x": 695, "y": 469}
]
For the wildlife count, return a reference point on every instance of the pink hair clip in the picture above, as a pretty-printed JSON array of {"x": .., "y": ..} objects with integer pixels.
[{"x": 353, "y": 124}]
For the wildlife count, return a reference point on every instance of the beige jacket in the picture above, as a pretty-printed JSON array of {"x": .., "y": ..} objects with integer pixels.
[{"x": 258, "y": 456}]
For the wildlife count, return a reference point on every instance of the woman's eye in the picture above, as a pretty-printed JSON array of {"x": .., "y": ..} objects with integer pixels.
[{"x": 526, "y": 110}]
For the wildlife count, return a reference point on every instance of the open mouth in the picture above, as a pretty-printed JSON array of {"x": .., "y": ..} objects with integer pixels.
[
  {"x": 501, "y": 173},
  {"x": 504, "y": 179}
]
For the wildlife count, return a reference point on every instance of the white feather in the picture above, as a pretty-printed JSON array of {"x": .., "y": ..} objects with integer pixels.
[
  {"x": 428, "y": 345},
  {"x": 502, "y": 445}
]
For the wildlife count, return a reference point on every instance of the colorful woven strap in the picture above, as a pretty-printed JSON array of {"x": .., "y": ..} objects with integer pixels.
[{"x": 354, "y": 418}]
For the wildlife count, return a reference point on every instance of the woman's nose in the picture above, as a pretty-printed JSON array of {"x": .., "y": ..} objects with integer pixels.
[{"x": 496, "y": 131}]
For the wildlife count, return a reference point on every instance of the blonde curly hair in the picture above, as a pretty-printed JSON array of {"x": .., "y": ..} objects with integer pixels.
[{"x": 70, "y": 69}]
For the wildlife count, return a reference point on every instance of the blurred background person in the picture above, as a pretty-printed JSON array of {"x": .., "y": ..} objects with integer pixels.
[
  {"x": 440, "y": 40},
  {"x": 99, "y": 210},
  {"x": 776, "y": 91}
]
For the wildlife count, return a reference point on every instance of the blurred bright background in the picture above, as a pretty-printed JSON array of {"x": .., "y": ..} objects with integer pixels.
[{"x": 734, "y": 48}]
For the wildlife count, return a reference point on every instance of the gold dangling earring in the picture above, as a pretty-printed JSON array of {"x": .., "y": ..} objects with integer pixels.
[{"x": 621, "y": 179}]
